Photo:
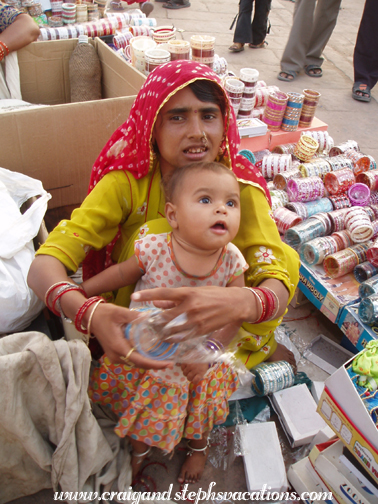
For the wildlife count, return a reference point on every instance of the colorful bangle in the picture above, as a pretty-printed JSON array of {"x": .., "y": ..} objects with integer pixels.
[
  {"x": 276, "y": 302},
  {"x": 65, "y": 288},
  {"x": 49, "y": 291},
  {"x": 270, "y": 303},
  {"x": 81, "y": 312},
  {"x": 214, "y": 345},
  {"x": 4, "y": 45}
]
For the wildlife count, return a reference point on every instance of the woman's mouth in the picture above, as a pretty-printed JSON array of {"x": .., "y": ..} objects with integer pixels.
[{"x": 195, "y": 150}]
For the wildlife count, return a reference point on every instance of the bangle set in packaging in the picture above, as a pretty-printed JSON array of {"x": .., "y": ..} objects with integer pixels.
[
  {"x": 358, "y": 223},
  {"x": 285, "y": 219},
  {"x": 274, "y": 110},
  {"x": 316, "y": 168},
  {"x": 361, "y": 163},
  {"x": 359, "y": 194},
  {"x": 305, "y": 231},
  {"x": 275, "y": 163},
  {"x": 341, "y": 201},
  {"x": 306, "y": 148},
  {"x": 281, "y": 179},
  {"x": 369, "y": 178},
  {"x": 310, "y": 102},
  {"x": 368, "y": 309},
  {"x": 305, "y": 189},
  {"x": 364, "y": 272},
  {"x": 338, "y": 182},
  {"x": 344, "y": 261},
  {"x": 314, "y": 251},
  {"x": 290, "y": 120},
  {"x": 343, "y": 147}
]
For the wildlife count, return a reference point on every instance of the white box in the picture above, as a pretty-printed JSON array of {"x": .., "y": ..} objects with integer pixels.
[
  {"x": 263, "y": 461},
  {"x": 296, "y": 409}
]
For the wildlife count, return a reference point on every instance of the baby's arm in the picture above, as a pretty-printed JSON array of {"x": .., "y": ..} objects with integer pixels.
[
  {"x": 195, "y": 372},
  {"x": 113, "y": 278}
]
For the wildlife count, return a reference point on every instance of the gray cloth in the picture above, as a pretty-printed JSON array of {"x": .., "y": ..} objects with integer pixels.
[
  {"x": 48, "y": 434},
  {"x": 313, "y": 24}
]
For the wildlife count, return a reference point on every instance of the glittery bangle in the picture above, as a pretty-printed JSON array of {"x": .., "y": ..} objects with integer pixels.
[{"x": 48, "y": 293}]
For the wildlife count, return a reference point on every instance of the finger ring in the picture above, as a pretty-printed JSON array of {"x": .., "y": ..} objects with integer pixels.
[{"x": 126, "y": 359}]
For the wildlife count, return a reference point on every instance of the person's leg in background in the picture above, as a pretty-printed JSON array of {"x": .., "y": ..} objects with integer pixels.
[
  {"x": 365, "y": 57},
  {"x": 325, "y": 18},
  {"x": 260, "y": 23},
  {"x": 294, "y": 55},
  {"x": 243, "y": 30},
  {"x": 175, "y": 4}
]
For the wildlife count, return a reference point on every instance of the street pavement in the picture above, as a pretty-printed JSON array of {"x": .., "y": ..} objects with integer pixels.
[{"x": 347, "y": 119}]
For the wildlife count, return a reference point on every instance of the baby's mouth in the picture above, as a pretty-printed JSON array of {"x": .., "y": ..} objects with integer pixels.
[{"x": 219, "y": 225}]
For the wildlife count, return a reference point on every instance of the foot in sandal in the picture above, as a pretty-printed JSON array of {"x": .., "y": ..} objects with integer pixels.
[
  {"x": 236, "y": 47},
  {"x": 287, "y": 75},
  {"x": 361, "y": 92},
  {"x": 192, "y": 468}
]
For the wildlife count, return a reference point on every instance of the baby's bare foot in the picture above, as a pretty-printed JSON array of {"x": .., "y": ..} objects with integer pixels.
[{"x": 192, "y": 468}]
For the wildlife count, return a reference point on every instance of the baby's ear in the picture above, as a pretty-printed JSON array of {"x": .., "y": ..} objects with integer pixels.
[{"x": 170, "y": 214}]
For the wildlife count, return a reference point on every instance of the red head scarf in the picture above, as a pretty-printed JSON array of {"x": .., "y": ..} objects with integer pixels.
[{"x": 130, "y": 148}]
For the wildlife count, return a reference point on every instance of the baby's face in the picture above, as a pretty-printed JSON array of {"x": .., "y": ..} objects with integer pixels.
[{"x": 208, "y": 208}]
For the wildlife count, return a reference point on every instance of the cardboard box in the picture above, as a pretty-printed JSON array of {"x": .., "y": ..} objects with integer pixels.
[
  {"x": 326, "y": 354},
  {"x": 345, "y": 483},
  {"x": 329, "y": 295},
  {"x": 300, "y": 479},
  {"x": 272, "y": 139},
  {"x": 58, "y": 144},
  {"x": 343, "y": 410},
  {"x": 358, "y": 333}
]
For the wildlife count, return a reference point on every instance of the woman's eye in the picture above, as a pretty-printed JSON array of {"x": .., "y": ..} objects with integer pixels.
[
  {"x": 209, "y": 117},
  {"x": 176, "y": 118},
  {"x": 204, "y": 200}
]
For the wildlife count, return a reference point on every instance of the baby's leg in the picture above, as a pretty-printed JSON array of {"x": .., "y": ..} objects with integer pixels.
[
  {"x": 138, "y": 454},
  {"x": 192, "y": 468}
]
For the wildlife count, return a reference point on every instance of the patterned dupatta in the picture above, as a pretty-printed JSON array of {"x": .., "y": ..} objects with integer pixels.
[{"x": 130, "y": 147}]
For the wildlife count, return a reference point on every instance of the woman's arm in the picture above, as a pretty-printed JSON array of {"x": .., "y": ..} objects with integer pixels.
[
  {"x": 20, "y": 33},
  {"x": 113, "y": 278},
  {"x": 108, "y": 321}
]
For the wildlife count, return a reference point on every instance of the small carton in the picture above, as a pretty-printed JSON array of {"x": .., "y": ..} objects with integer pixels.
[
  {"x": 263, "y": 460},
  {"x": 358, "y": 333},
  {"x": 296, "y": 410}
]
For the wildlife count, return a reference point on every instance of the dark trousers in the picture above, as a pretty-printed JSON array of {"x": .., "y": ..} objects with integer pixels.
[
  {"x": 247, "y": 32},
  {"x": 365, "y": 58}
]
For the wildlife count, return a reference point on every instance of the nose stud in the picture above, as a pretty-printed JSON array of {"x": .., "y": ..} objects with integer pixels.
[{"x": 204, "y": 138}]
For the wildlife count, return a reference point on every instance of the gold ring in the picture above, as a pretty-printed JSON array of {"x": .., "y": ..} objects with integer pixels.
[{"x": 126, "y": 359}]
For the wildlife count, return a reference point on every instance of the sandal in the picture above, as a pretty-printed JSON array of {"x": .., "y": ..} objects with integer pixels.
[
  {"x": 236, "y": 47},
  {"x": 317, "y": 71},
  {"x": 363, "y": 89},
  {"x": 287, "y": 75},
  {"x": 263, "y": 44}
]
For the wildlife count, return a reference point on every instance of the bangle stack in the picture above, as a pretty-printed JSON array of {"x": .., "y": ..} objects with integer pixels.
[
  {"x": 4, "y": 50},
  {"x": 268, "y": 303},
  {"x": 53, "y": 303},
  {"x": 214, "y": 345}
]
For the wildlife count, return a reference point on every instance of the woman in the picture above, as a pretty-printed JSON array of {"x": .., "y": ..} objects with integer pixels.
[
  {"x": 251, "y": 33},
  {"x": 180, "y": 104}
]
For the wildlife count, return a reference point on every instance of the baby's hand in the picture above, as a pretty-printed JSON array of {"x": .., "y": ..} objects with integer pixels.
[{"x": 194, "y": 372}]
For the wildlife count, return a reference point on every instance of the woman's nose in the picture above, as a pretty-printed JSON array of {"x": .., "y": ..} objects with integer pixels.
[{"x": 195, "y": 126}]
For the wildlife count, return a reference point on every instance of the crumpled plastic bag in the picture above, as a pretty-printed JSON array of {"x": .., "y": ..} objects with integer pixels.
[{"x": 18, "y": 303}]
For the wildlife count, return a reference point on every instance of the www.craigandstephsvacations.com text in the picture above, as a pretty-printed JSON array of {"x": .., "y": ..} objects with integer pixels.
[{"x": 184, "y": 494}]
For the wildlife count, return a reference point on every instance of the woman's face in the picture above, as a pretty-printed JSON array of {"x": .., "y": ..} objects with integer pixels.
[{"x": 182, "y": 126}]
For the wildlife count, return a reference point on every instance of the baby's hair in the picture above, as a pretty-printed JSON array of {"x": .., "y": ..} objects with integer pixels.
[{"x": 173, "y": 180}]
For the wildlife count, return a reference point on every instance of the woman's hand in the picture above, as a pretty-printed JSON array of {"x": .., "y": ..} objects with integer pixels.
[
  {"x": 207, "y": 308},
  {"x": 108, "y": 325}
]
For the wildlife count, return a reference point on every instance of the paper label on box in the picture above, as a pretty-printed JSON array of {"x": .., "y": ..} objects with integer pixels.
[
  {"x": 346, "y": 434},
  {"x": 336, "y": 422},
  {"x": 331, "y": 304}
]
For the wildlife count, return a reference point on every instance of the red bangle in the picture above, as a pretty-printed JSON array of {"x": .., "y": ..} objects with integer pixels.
[
  {"x": 81, "y": 312},
  {"x": 49, "y": 291},
  {"x": 4, "y": 46},
  {"x": 270, "y": 304},
  {"x": 65, "y": 288}
]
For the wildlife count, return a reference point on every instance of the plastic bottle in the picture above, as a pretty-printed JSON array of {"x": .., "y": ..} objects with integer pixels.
[
  {"x": 84, "y": 72},
  {"x": 149, "y": 335}
]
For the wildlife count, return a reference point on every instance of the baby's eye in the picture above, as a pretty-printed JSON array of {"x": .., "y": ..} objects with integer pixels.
[
  {"x": 205, "y": 200},
  {"x": 230, "y": 203}
]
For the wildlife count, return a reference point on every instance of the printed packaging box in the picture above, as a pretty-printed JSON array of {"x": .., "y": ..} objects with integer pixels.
[
  {"x": 358, "y": 333},
  {"x": 343, "y": 410},
  {"x": 58, "y": 143},
  {"x": 329, "y": 295}
]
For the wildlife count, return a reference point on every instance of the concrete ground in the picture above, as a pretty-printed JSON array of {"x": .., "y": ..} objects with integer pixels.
[{"x": 346, "y": 119}]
